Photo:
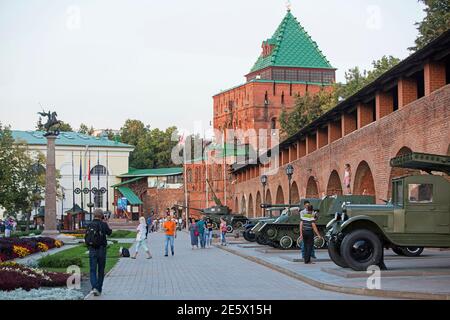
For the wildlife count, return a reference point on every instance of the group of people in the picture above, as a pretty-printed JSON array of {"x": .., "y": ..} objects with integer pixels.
[
  {"x": 8, "y": 226},
  {"x": 201, "y": 231}
]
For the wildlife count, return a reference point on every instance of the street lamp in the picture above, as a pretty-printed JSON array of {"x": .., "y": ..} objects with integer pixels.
[
  {"x": 289, "y": 173},
  {"x": 264, "y": 183}
]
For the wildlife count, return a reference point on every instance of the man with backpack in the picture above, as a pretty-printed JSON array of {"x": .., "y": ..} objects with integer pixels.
[{"x": 95, "y": 239}]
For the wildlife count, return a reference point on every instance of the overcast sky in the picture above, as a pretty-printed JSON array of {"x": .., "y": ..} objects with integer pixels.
[{"x": 101, "y": 62}]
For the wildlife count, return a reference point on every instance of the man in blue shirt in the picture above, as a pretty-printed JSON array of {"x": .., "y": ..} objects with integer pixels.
[{"x": 149, "y": 225}]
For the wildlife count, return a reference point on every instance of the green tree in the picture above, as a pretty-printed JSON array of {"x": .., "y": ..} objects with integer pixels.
[
  {"x": 22, "y": 179},
  {"x": 306, "y": 109},
  {"x": 84, "y": 129},
  {"x": 436, "y": 22},
  {"x": 310, "y": 107}
]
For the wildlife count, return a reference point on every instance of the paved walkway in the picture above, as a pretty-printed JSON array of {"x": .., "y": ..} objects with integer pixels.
[
  {"x": 424, "y": 277},
  {"x": 202, "y": 274}
]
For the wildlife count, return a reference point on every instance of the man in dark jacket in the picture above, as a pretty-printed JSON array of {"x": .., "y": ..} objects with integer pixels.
[{"x": 97, "y": 254}]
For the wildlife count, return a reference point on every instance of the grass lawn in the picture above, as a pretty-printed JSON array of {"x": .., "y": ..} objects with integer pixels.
[
  {"x": 112, "y": 256},
  {"x": 123, "y": 234}
]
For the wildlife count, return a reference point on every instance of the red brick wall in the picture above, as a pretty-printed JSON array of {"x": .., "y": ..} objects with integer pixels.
[
  {"x": 422, "y": 126},
  {"x": 160, "y": 199}
]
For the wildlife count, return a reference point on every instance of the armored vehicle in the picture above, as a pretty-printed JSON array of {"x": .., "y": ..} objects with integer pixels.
[
  {"x": 272, "y": 214},
  {"x": 417, "y": 216},
  {"x": 215, "y": 213},
  {"x": 284, "y": 232}
]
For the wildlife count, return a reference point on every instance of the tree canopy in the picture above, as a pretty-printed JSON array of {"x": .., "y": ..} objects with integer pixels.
[
  {"x": 310, "y": 107},
  {"x": 153, "y": 147},
  {"x": 436, "y": 22}
]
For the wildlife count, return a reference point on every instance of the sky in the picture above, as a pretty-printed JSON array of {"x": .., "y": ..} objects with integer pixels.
[{"x": 100, "y": 62}]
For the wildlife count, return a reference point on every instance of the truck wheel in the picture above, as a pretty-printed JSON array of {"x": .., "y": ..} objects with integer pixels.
[
  {"x": 249, "y": 236},
  {"x": 398, "y": 251},
  {"x": 361, "y": 249},
  {"x": 412, "y": 251},
  {"x": 215, "y": 226},
  {"x": 335, "y": 254},
  {"x": 229, "y": 229},
  {"x": 286, "y": 242}
]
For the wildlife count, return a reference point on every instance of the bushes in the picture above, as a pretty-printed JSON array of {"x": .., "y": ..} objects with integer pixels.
[
  {"x": 52, "y": 262},
  {"x": 14, "y": 276},
  {"x": 25, "y": 233}
]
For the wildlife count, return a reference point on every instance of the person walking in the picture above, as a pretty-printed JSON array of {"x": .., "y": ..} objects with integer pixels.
[
  {"x": 209, "y": 233},
  {"x": 95, "y": 239},
  {"x": 193, "y": 232},
  {"x": 201, "y": 230},
  {"x": 141, "y": 238},
  {"x": 170, "y": 228},
  {"x": 8, "y": 227},
  {"x": 307, "y": 230},
  {"x": 223, "y": 232},
  {"x": 149, "y": 225}
]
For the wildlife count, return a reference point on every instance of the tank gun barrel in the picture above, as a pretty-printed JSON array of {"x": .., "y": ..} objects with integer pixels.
[
  {"x": 216, "y": 200},
  {"x": 190, "y": 208}
]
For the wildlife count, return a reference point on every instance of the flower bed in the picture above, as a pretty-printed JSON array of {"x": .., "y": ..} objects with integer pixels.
[
  {"x": 14, "y": 276},
  {"x": 12, "y": 248},
  {"x": 42, "y": 294}
]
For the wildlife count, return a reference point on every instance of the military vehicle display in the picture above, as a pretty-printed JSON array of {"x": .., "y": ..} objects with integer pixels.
[
  {"x": 417, "y": 216},
  {"x": 272, "y": 214},
  {"x": 284, "y": 232},
  {"x": 219, "y": 211}
]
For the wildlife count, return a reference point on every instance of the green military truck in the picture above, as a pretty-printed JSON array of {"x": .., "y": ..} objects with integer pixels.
[{"x": 417, "y": 216}]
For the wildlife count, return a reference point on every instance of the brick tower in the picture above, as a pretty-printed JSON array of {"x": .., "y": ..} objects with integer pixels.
[{"x": 290, "y": 65}]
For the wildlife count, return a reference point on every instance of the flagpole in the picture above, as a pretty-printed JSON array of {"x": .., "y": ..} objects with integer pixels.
[
  {"x": 98, "y": 175},
  {"x": 73, "y": 183},
  {"x": 185, "y": 184},
  {"x": 90, "y": 186},
  {"x": 107, "y": 181},
  {"x": 81, "y": 186}
]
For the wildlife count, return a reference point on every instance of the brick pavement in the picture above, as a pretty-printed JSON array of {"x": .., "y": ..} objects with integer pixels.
[{"x": 203, "y": 274}]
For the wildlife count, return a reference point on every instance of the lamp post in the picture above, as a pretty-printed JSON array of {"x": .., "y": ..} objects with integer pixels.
[
  {"x": 289, "y": 173},
  {"x": 264, "y": 183}
]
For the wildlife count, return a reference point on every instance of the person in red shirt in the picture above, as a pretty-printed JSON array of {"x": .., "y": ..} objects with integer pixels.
[{"x": 170, "y": 229}]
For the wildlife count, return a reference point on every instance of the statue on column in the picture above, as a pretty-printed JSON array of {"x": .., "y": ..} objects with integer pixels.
[{"x": 52, "y": 126}]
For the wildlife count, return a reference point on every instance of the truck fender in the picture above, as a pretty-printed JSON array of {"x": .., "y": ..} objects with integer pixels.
[{"x": 365, "y": 219}]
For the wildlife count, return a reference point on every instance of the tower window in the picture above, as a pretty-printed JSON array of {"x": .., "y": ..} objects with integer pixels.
[{"x": 266, "y": 99}]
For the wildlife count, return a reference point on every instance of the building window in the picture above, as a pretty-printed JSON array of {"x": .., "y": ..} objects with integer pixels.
[
  {"x": 99, "y": 170},
  {"x": 266, "y": 99},
  {"x": 273, "y": 123},
  {"x": 98, "y": 200},
  {"x": 175, "y": 179},
  {"x": 189, "y": 176},
  {"x": 282, "y": 97}
]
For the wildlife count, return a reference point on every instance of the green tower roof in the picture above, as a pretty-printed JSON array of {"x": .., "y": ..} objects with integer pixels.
[{"x": 293, "y": 47}]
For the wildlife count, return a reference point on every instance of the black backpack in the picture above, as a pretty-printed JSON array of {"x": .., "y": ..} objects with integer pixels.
[
  {"x": 125, "y": 253},
  {"x": 94, "y": 236}
]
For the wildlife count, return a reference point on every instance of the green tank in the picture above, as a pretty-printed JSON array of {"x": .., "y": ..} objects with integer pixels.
[
  {"x": 219, "y": 211},
  {"x": 417, "y": 216},
  {"x": 271, "y": 215},
  {"x": 284, "y": 232}
]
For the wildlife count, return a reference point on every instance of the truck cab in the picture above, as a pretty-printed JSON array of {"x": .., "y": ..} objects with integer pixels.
[{"x": 417, "y": 216}]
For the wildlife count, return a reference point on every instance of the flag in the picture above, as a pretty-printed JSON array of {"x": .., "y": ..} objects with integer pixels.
[
  {"x": 81, "y": 169},
  {"x": 89, "y": 167}
]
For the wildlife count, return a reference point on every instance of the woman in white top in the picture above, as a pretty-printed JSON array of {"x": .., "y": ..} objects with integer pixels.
[{"x": 141, "y": 238}]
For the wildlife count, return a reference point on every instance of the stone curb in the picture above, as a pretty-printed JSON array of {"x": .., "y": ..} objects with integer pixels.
[{"x": 342, "y": 289}]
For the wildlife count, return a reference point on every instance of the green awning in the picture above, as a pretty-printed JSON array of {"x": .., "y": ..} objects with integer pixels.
[
  {"x": 132, "y": 198},
  {"x": 126, "y": 182}
]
